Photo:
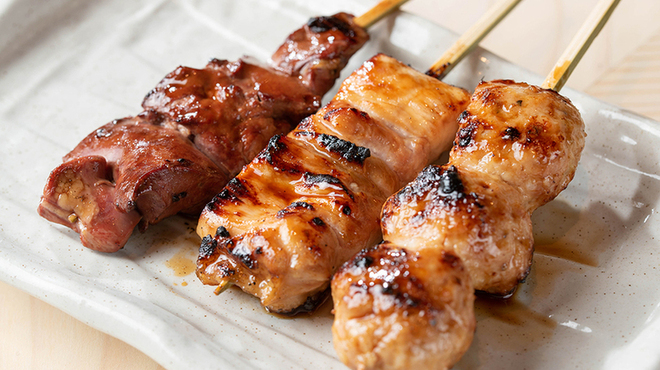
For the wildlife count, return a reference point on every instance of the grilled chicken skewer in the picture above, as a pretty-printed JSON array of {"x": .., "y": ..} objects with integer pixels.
[
  {"x": 124, "y": 174},
  {"x": 312, "y": 199},
  {"x": 407, "y": 303}
]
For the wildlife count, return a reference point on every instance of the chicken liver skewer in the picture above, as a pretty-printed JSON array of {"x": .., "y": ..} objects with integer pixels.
[{"x": 117, "y": 177}]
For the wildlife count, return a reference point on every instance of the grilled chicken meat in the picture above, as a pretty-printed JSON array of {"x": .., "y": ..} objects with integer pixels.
[
  {"x": 516, "y": 149},
  {"x": 215, "y": 119},
  {"x": 311, "y": 200},
  {"x": 401, "y": 309}
]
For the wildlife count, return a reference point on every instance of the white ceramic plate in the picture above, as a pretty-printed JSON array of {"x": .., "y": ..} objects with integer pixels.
[{"x": 68, "y": 66}]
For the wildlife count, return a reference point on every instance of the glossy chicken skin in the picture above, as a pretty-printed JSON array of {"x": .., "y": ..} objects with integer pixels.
[
  {"x": 517, "y": 148},
  {"x": 219, "y": 117},
  {"x": 127, "y": 172},
  {"x": 402, "y": 310},
  {"x": 312, "y": 199}
]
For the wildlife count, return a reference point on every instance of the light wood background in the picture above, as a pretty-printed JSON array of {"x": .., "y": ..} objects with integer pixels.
[{"x": 622, "y": 68}]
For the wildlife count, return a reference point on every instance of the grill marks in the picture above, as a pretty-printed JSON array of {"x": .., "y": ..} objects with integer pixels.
[
  {"x": 443, "y": 188},
  {"x": 389, "y": 271},
  {"x": 511, "y": 133},
  {"x": 311, "y": 199},
  {"x": 197, "y": 129},
  {"x": 346, "y": 149},
  {"x": 324, "y": 181},
  {"x": 209, "y": 244},
  {"x": 446, "y": 182},
  {"x": 338, "y": 148},
  {"x": 286, "y": 155},
  {"x": 325, "y": 24},
  {"x": 289, "y": 172},
  {"x": 213, "y": 246},
  {"x": 274, "y": 145},
  {"x": 293, "y": 207},
  {"x": 231, "y": 193},
  {"x": 304, "y": 180}
]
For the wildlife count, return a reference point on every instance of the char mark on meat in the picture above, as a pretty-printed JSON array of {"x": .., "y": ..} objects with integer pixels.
[
  {"x": 325, "y": 24},
  {"x": 345, "y": 149},
  {"x": 208, "y": 246},
  {"x": 320, "y": 50},
  {"x": 202, "y": 126},
  {"x": 231, "y": 193},
  {"x": 275, "y": 145}
]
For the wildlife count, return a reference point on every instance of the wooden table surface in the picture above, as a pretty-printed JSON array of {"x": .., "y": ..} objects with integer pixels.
[{"x": 622, "y": 68}]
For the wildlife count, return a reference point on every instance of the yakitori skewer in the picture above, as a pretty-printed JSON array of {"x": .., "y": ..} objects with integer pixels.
[
  {"x": 407, "y": 303},
  {"x": 312, "y": 198},
  {"x": 197, "y": 130}
]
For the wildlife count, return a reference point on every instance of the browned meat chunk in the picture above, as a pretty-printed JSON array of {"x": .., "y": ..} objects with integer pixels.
[
  {"x": 402, "y": 310},
  {"x": 320, "y": 50},
  {"x": 517, "y": 148},
  {"x": 219, "y": 117},
  {"x": 126, "y": 172},
  {"x": 311, "y": 199},
  {"x": 231, "y": 109}
]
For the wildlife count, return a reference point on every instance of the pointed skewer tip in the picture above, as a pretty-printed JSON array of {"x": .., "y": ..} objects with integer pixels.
[{"x": 471, "y": 38}]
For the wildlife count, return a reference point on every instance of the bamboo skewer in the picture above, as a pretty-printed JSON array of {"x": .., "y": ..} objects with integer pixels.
[
  {"x": 379, "y": 11},
  {"x": 471, "y": 38},
  {"x": 579, "y": 45}
]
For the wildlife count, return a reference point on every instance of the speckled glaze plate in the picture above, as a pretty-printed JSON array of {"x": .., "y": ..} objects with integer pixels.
[{"x": 68, "y": 66}]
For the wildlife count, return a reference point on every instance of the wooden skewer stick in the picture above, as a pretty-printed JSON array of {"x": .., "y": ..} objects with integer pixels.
[
  {"x": 471, "y": 38},
  {"x": 224, "y": 285},
  {"x": 379, "y": 11},
  {"x": 579, "y": 45}
]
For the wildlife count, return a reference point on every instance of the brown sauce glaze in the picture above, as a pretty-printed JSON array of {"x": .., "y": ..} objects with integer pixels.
[
  {"x": 566, "y": 250},
  {"x": 323, "y": 310},
  {"x": 184, "y": 261},
  {"x": 516, "y": 323},
  {"x": 511, "y": 311},
  {"x": 182, "y": 264},
  {"x": 555, "y": 234}
]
